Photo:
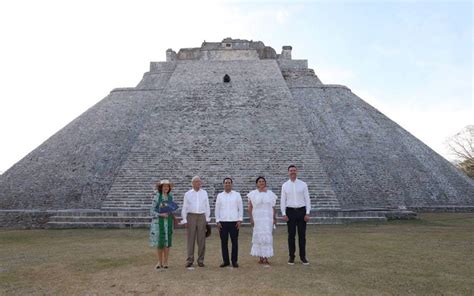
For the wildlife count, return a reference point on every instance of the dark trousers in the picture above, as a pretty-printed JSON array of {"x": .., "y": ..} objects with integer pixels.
[
  {"x": 296, "y": 220},
  {"x": 229, "y": 228}
]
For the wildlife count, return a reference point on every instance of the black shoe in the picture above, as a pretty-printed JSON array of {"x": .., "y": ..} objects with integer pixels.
[
  {"x": 235, "y": 265},
  {"x": 165, "y": 267},
  {"x": 291, "y": 261},
  {"x": 304, "y": 261},
  {"x": 224, "y": 265},
  {"x": 200, "y": 264},
  {"x": 188, "y": 265}
]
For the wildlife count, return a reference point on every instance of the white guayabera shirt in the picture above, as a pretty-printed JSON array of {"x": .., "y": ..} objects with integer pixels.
[{"x": 229, "y": 207}]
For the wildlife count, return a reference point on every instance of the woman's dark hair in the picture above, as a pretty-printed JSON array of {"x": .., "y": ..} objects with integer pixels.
[
  {"x": 260, "y": 177},
  {"x": 159, "y": 187},
  {"x": 228, "y": 178}
]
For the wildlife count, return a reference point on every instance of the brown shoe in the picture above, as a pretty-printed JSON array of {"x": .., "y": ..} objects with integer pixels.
[{"x": 200, "y": 264}]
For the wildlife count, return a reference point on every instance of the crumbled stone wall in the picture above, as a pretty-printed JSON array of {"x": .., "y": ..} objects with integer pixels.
[
  {"x": 229, "y": 55},
  {"x": 24, "y": 219},
  {"x": 158, "y": 76}
]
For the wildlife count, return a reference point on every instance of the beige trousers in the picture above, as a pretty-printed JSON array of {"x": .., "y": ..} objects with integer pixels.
[{"x": 196, "y": 231}]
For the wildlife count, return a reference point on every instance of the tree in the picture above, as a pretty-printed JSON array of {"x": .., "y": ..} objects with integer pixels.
[{"x": 461, "y": 146}]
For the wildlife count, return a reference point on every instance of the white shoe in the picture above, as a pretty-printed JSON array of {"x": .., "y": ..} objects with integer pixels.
[{"x": 291, "y": 261}]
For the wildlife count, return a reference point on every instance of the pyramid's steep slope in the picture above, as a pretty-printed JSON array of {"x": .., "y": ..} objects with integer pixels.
[
  {"x": 76, "y": 166},
  {"x": 372, "y": 161}
]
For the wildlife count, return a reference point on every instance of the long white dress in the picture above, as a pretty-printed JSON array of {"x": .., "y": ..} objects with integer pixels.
[{"x": 262, "y": 238}]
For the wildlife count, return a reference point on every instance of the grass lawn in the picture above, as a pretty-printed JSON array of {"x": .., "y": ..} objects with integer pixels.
[{"x": 430, "y": 256}]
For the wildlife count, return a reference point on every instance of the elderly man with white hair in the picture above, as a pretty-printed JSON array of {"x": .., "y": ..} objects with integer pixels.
[{"x": 196, "y": 214}]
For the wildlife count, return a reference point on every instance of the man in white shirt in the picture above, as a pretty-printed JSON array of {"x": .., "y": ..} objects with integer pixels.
[
  {"x": 229, "y": 215},
  {"x": 196, "y": 214},
  {"x": 295, "y": 208}
]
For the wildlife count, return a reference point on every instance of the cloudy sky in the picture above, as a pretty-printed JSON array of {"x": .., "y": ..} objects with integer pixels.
[{"x": 410, "y": 59}]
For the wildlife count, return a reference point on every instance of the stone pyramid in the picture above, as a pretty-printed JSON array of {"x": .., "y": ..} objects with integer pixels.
[{"x": 232, "y": 108}]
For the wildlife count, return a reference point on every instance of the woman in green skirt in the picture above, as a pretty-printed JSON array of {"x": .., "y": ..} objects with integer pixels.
[{"x": 161, "y": 228}]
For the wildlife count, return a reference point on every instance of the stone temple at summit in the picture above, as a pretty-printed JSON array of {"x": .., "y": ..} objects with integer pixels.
[{"x": 233, "y": 108}]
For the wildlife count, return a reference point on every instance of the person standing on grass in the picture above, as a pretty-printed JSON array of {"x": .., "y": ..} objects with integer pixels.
[
  {"x": 295, "y": 208},
  {"x": 161, "y": 228},
  {"x": 196, "y": 214},
  {"x": 229, "y": 216},
  {"x": 262, "y": 216}
]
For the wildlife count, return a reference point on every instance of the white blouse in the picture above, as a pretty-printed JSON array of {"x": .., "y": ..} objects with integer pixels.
[{"x": 258, "y": 198}]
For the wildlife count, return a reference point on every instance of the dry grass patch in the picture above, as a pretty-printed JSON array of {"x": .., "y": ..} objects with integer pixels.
[{"x": 433, "y": 255}]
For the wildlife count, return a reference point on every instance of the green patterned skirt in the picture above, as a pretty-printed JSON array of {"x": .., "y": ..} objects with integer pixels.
[{"x": 161, "y": 232}]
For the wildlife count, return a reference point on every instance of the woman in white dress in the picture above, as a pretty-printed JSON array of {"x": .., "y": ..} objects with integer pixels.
[{"x": 261, "y": 209}]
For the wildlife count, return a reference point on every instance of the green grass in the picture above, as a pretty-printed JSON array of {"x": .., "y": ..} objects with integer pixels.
[{"x": 430, "y": 256}]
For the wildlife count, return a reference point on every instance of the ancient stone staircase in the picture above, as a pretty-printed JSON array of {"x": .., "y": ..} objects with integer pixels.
[{"x": 204, "y": 127}]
